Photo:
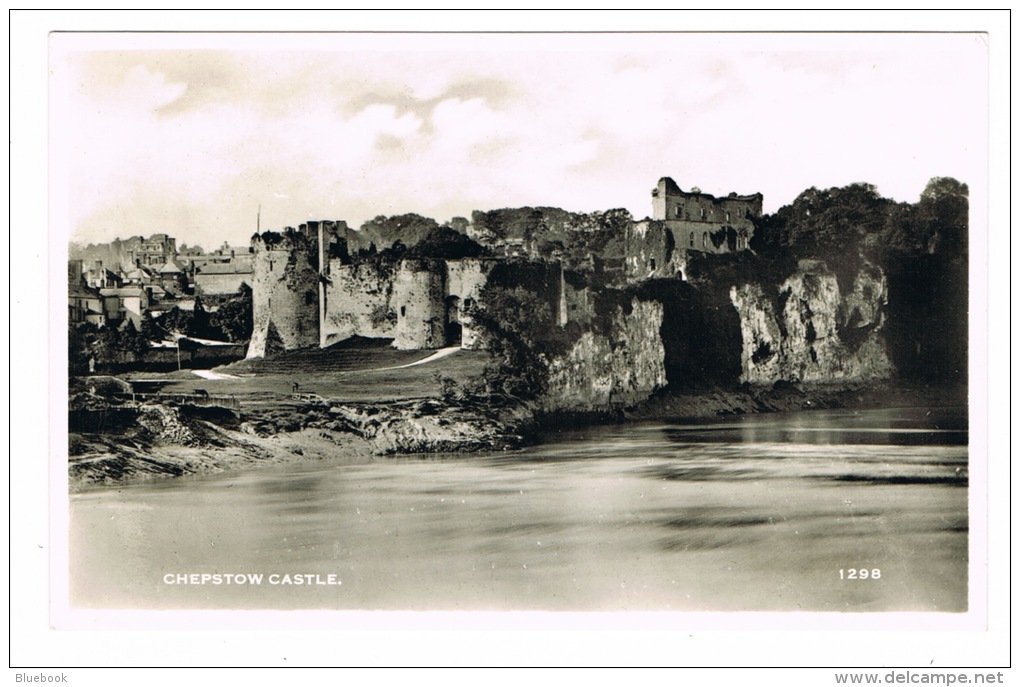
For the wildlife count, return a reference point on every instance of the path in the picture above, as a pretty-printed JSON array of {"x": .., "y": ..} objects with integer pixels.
[
  {"x": 441, "y": 353},
  {"x": 438, "y": 355},
  {"x": 209, "y": 374}
]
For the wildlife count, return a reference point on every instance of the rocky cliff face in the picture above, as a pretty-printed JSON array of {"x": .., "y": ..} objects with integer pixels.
[
  {"x": 806, "y": 330},
  {"x": 620, "y": 364}
]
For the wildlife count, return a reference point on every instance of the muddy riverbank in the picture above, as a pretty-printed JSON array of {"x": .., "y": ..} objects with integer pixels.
[{"x": 114, "y": 443}]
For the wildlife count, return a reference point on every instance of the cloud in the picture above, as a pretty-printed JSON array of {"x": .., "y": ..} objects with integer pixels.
[{"x": 191, "y": 142}]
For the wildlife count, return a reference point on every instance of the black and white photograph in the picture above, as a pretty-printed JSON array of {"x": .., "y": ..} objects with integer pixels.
[{"x": 670, "y": 325}]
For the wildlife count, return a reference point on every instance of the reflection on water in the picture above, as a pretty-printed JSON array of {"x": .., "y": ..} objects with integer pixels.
[{"x": 754, "y": 513}]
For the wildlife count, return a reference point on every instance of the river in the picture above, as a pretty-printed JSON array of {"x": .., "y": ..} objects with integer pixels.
[{"x": 775, "y": 512}]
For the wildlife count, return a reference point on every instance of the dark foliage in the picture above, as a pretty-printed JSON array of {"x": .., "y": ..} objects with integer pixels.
[
  {"x": 176, "y": 321},
  {"x": 922, "y": 248},
  {"x": 87, "y": 342},
  {"x": 447, "y": 244},
  {"x": 575, "y": 238},
  {"x": 928, "y": 316},
  {"x": 233, "y": 320},
  {"x": 521, "y": 334},
  {"x": 274, "y": 342},
  {"x": 384, "y": 231}
]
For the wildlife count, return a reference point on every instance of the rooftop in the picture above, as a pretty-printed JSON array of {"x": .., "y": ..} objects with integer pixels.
[{"x": 225, "y": 268}]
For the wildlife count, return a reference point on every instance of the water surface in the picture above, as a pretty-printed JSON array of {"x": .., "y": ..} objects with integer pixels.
[{"x": 751, "y": 513}]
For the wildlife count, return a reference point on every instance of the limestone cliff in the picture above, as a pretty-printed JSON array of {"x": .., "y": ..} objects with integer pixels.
[
  {"x": 618, "y": 364},
  {"x": 807, "y": 330}
]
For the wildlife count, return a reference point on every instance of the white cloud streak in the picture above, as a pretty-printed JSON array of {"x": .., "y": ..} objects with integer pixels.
[{"x": 191, "y": 142}]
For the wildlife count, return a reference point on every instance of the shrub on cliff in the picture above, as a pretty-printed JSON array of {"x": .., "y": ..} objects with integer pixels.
[
  {"x": 515, "y": 324},
  {"x": 384, "y": 231},
  {"x": 445, "y": 243}
]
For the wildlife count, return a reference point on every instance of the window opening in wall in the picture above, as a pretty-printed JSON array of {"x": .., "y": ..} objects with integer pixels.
[
  {"x": 692, "y": 239},
  {"x": 651, "y": 264},
  {"x": 704, "y": 240},
  {"x": 702, "y": 213},
  {"x": 727, "y": 215},
  {"x": 679, "y": 209},
  {"x": 403, "y": 311}
]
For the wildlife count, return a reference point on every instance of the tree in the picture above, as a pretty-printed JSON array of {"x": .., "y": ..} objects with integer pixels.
[
  {"x": 383, "y": 231},
  {"x": 82, "y": 340},
  {"x": 943, "y": 215},
  {"x": 447, "y": 244},
  {"x": 234, "y": 318},
  {"x": 515, "y": 324},
  {"x": 200, "y": 326},
  {"x": 129, "y": 340},
  {"x": 176, "y": 321},
  {"x": 149, "y": 331},
  {"x": 830, "y": 220}
]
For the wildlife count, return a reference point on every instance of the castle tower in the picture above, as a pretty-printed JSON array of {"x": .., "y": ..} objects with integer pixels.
[
  {"x": 419, "y": 293},
  {"x": 284, "y": 292}
]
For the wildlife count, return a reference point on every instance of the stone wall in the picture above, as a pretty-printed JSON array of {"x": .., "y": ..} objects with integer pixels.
[
  {"x": 577, "y": 303},
  {"x": 671, "y": 203},
  {"x": 710, "y": 238},
  {"x": 652, "y": 252},
  {"x": 465, "y": 281},
  {"x": 359, "y": 300},
  {"x": 284, "y": 292},
  {"x": 419, "y": 294}
]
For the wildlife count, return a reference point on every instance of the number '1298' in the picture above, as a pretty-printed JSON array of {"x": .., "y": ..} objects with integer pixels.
[{"x": 860, "y": 574}]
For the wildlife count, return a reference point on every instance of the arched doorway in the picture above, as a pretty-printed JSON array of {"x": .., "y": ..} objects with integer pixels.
[{"x": 453, "y": 325}]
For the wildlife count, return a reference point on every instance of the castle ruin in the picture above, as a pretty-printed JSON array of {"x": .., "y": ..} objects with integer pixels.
[
  {"x": 311, "y": 292},
  {"x": 308, "y": 290},
  {"x": 688, "y": 221}
]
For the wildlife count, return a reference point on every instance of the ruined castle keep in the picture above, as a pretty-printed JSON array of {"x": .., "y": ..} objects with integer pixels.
[{"x": 688, "y": 221}]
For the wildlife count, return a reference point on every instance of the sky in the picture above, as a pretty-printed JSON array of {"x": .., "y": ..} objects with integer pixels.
[{"x": 208, "y": 136}]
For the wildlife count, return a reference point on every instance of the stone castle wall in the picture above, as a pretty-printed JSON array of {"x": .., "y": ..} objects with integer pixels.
[
  {"x": 284, "y": 292},
  {"x": 360, "y": 300},
  {"x": 419, "y": 303},
  {"x": 683, "y": 222},
  {"x": 670, "y": 203},
  {"x": 465, "y": 281},
  {"x": 419, "y": 289},
  {"x": 652, "y": 252}
]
